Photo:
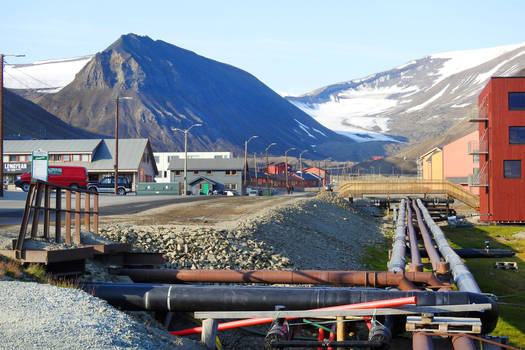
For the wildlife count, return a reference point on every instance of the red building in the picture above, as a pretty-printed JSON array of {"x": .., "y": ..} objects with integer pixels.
[
  {"x": 501, "y": 150},
  {"x": 278, "y": 168},
  {"x": 319, "y": 172}
]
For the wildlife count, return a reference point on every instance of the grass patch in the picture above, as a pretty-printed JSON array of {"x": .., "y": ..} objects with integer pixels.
[
  {"x": 36, "y": 272},
  {"x": 376, "y": 257},
  {"x": 506, "y": 284}
]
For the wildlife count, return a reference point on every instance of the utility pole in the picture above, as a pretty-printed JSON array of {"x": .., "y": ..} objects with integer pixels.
[
  {"x": 186, "y": 154},
  {"x": 286, "y": 165},
  {"x": 1, "y": 121},
  {"x": 255, "y": 167},
  {"x": 246, "y": 160},
  {"x": 116, "y": 139},
  {"x": 267, "y": 165},
  {"x": 301, "y": 162}
]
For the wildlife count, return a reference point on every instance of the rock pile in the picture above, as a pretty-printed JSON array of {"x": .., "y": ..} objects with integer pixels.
[{"x": 324, "y": 232}]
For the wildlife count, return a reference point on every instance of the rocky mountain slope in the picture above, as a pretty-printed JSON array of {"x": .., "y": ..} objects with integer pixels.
[
  {"x": 22, "y": 118},
  {"x": 174, "y": 88},
  {"x": 418, "y": 100}
]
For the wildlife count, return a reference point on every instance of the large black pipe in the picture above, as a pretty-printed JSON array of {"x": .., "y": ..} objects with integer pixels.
[
  {"x": 432, "y": 252},
  {"x": 156, "y": 297}
]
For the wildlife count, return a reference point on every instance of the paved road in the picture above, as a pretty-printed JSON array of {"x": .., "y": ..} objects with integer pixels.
[{"x": 13, "y": 202}]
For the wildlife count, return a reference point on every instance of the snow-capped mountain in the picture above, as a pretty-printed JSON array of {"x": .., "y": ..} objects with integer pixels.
[
  {"x": 416, "y": 100},
  {"x": 44, "y": 76}
]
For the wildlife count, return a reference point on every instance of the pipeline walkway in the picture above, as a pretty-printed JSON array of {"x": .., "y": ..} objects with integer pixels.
[{"x": 387, "y": 186}]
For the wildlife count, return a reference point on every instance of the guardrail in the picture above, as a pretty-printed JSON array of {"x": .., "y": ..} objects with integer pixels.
[
  {"x": 41, "y": 190},
  {"x": 357, "y": 188}
]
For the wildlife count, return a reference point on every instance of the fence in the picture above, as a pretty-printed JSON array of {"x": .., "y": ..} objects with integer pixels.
[{"x": 41, "y": 190}]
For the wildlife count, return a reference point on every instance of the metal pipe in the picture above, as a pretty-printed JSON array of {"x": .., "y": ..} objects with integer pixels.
[
  {"x": 352, "y": 278},
  {"x": 262, "y": 320},
  {"x": 416, "y": 264},
  {"x": 470, "y": 253},
  {"x": 422, "y": 342},
  {"x": 460, "y": 273},
  {"x": 156, "y": 297},
  {"x": 327, "y": 344},
  {"x": 397, "y": 261},
  {"x": 427, "y": 240}
]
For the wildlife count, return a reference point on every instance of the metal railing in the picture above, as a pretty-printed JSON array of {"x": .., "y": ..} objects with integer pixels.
[
  {"x": 41, "y": 190},
  {"x": 358, "y": 188}
]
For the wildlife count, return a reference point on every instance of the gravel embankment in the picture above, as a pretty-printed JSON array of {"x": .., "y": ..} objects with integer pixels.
[
  {"x": 40, "y": 316},
  {"x": 323, "y": 232}
]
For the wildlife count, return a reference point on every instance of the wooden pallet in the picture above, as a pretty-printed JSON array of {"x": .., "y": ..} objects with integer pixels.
[
  {"x": 443, "y": 324},
  {"x": 506, "y": 265}
]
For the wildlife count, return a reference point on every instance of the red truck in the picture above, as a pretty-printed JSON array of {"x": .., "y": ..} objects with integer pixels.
[{"x": 69, "y": 176}]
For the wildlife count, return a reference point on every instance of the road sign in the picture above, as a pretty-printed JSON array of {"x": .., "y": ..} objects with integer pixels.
[{"x": 39, "y": 161}]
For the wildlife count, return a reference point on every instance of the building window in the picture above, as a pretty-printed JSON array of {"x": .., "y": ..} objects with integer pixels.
[
  {"x": 177, "y": 172},
  {"x": 230, "y": 186},
  {"x": 209, "y": 172},
  {"x": 76, "y": 157},
  {"x": 516, "y": 101},
  {"x": 65, "y": 157},
  {"x": 516, "y": 135},
  {"x": 512, "y": 169},
  {"x": 13, "y": 158},
  {"x": 231, "y": 172},
  {"x": 195, "y": 172},
  {"x": 165, "y": 174},
  {"x": 475, "y": 158},
  {"x": 85, "y": 157}
]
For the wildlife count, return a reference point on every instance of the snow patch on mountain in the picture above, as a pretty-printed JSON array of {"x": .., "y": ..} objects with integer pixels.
[
  {"x": 429, "y": 101},
  {"x": 44, "y": 76}
]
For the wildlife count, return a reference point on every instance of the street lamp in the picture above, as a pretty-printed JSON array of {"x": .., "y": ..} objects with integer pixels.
[
  {"x": 267, "y": 164},
  {"x": 246, "y": 158},
  {"x": 116, "y": 139},
  {"x": 286, "y": 164},
  {"x": 1, "y": 123},
  {"x": 301, "y": 161},
  {"x": 186, "y": 154}
]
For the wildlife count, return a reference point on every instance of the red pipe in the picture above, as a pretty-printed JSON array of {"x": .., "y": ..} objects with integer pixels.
[
  {"x": 331, "y": 338},
  {"x": 255, "y": 321},
  {"x": 320, "y": 337}
]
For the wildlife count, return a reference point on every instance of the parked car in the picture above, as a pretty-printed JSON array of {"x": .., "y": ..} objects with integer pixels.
[
  {"x": 232, "y": 193},
  {"x": 107, "y": 185},
  {"x": 70, "y": 176},
  {"x": 253, "y": 192}
]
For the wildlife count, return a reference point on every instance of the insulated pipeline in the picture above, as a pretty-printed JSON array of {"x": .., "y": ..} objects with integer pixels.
[
  {"x": 461, "y": 274},
  {"x": 250, "y": 298},
  {"x": 414, "y": 249},
  {"x": 402, "y": 280},
  {"x": 397, "y": 261},
  {"x": 427, "y": 240}
]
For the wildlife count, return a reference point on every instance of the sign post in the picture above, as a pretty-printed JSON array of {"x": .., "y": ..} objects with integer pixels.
[{"x": 39, "y": 162}]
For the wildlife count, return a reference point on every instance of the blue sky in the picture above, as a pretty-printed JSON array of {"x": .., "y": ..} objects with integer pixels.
[{"x": 292, "y": 46}]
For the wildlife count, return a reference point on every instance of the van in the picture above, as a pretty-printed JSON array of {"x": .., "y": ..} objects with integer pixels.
[{"x": 69, "y": 176}]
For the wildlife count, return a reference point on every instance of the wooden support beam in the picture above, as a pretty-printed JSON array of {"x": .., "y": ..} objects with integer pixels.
[
  {"x": 36, "y": 211},
  {"x": 87, "y": 206},
  {"x": 209, "y": 332},
  {"x": 47, "y": 211},
  {"x": 58, "y": 215},
  {"x": 95, "y": 213},
  {"x": 76, "y": 239},
  {"x": 68, "y": 217}
]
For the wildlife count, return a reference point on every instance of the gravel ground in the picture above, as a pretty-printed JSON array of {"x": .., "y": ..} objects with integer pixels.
[{"x": 40, "y": 316}]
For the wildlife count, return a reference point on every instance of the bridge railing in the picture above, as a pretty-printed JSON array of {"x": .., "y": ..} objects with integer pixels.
[{"x": 356, "y": 188}]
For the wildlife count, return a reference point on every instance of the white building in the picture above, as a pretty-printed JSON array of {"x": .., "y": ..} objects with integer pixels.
[{"x": 163, "y": 160}]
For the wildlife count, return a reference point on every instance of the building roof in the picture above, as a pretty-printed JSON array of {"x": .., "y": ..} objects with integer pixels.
[
  {"x": 102, "y": 151},
  {"x": 52, "y": 146},
  {"x": 202, "y": 179},
  {"x": 433, "y": 150},
  {"x": 306, "y": 176},
  {"x": 208, "y": 164}
]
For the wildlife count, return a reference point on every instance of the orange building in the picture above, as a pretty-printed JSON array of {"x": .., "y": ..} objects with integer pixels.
[
  {"x": 459, "y": 164},
  {"x": 501, "y": 149}
]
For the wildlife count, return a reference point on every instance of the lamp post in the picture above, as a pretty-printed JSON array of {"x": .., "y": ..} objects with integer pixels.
[
  {"x": 186, "y": 154},
  {"x": 286, "y": 164},
  {"x": 267, "y": 164},
  {"x": 301, "y": 161},
  {"x": 1, "y": 121},
  {"x": 246, "y": 159},
  {"x": 116, "y": 139}
]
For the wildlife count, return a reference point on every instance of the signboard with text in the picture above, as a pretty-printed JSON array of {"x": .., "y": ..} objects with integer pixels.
[{"x": 39, "y": 161}]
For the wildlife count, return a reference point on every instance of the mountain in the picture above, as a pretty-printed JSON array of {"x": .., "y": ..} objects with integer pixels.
[
  {"x": 25, "y": 119},
  {"x": 175, "y": 88},
  {"x": 418, "y": 100}
]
